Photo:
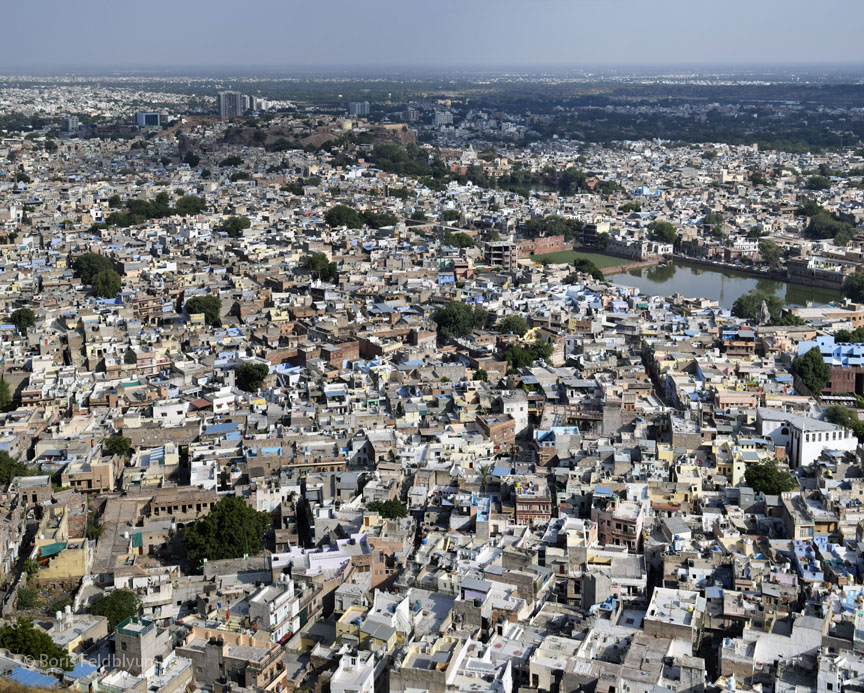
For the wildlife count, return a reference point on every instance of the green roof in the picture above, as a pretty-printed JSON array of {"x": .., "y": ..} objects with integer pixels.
[{"x": 137, "y": 540}]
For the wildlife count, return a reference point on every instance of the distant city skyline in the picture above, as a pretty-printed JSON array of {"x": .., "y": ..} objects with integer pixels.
[{"x": 400, "y": 34}]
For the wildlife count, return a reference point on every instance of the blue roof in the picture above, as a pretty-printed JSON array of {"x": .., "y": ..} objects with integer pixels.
[
  {"x": 81, "y": 670},
  {"x": 216, "y": 429},
  {"x": 32, "y": 678}
]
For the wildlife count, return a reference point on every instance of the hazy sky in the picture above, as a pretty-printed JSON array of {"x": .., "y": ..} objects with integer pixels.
[{"x": 431, "y": 33}]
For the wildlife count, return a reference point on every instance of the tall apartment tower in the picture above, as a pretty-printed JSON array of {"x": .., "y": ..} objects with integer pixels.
[
  {"x": 230, "y": 104},
  {"x": 358, "y": 109}
]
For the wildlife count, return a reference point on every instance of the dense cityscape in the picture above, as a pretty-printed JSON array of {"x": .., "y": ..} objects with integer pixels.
[{"x": 491, "y": 382}]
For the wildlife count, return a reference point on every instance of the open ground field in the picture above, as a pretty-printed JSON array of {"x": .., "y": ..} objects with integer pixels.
[{"x": 568, "y": 256}]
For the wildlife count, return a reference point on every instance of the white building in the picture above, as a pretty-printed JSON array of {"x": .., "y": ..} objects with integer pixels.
[
  {"x": 276, "y": 608},
  {"x": 355, "y": 674},
  {"x": 805, "y": 439}
]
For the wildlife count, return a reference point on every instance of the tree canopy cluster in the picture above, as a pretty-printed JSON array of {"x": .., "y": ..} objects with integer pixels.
[
  {"x": 767, "y": 478},
  {"x": 843, "y": 416},
  {"x": 518, "y": 356},
  {"x": 117, "y": 445},
  {"x": 553, "y": 225},
  {"x": 389, "y": 509},
  {"x": 23, "y": 319},
  {"x": 586, "y": 266},
  {"x": 853, "y": 287},
  {"x": 24, "y": 638},
  {"x": 88, "y": 265},
  {"x": 343, "y": 215},
  {"x": 812, "y": 370},
  {"x": 458, "y": 240},
  {"x": 748, "y": 306},
  {"x": 250, "y": 375},
  {"x": 321, "y": 267},
  {"x": 116, "y": 606},
  {"x": 823, "y": 224},
  {"x": 230, "y": 530},
  {"x": 106, "y": 284},
  {"x": 140, "y": 211},
  {"x": 234, "y": 226},
  {"x": 855, "y": 336},
  {"x": 770, "y": 252},
  {"x": 10, "y": 468},
  {"x": 513, "y": 324},
  {"x": 817, "y": 183},
  {"x": 662, "y": 231},
  {"x": 210, "y": 305},
  {"x": 457, "y": 319}
]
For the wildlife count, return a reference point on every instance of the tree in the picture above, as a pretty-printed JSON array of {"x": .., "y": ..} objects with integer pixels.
[
  {"x": 210, "y": 305},
  {"x": 24, "y": 638},
  {"x": 234, "y": 226},
  {"x": 231, "y": 161},
  {"x": 842, "y": 416},
  {"x": 116, "y": 606},
  {"x": 250, "y": 375},
  {"x": 88, "y": 265},
  {"x": 770, "y": 252},
  {"x": 513, "y": 324},
  {"x": 5, "y": 395},
  {"x": 459, "y": 239},
  {"x": 192, "y": 159},
  {"x": 189, "y": 205},
  {"x": 343, "y": 215},
  {"x": 662, "y": 231},
  {"x": 117, "y": 445},
  {"x": 458, "y": 320},
  {"x": 231, "y": 529},
  {"x": 24, "y": 319},
  {"x": 10, "y": 468},
  {"x": 749, "y": 305},
  {"x": 31, "y": 567},
  {"x": 28, "y": 598},
  {"x": 812, "y": 370},
  {"x": 817, "y": 183},
  {"x": 320, "y": 266},
  {"x": 765, "y": 477},
  {"x": 756, "y": 231},
  {"x": 481, "y": 375},
  {"x": 450, "y": 215},
  {"x": 585, "y": 266},
  {"x": 518, "y": 356},
  {"x": 375, "y": 220},
  {"x": 853, "y": 287},
  {"x": 107, "y": 284},
  {"x": 389, "y": 510}
]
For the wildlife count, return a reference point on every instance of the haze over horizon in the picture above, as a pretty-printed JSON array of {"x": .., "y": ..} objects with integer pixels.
[{"x": 336, "y": 34}]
